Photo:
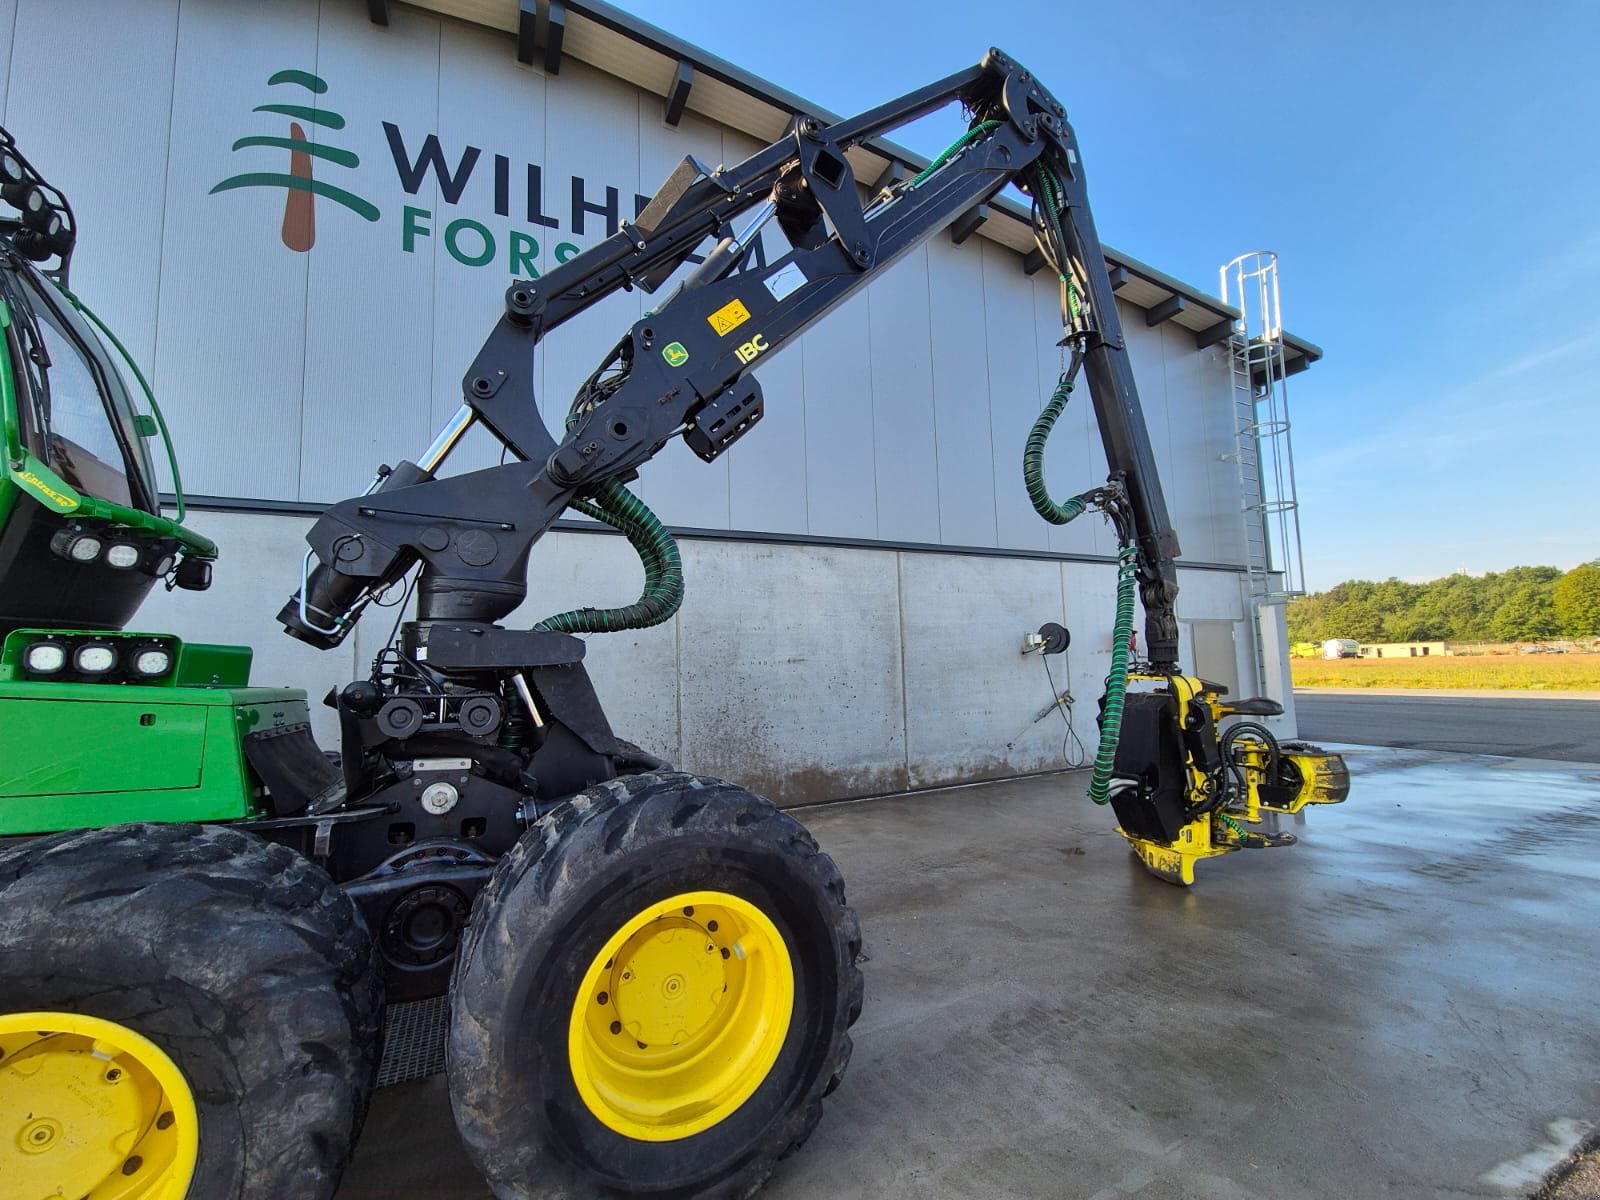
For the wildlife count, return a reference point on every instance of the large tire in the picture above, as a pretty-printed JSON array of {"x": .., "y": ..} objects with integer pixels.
[
  {"x": 241, "y": 961},
  {"x": 534, "y": 970}
]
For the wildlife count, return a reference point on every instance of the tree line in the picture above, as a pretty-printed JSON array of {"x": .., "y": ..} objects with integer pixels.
[{"x": 1520, "y": 604}]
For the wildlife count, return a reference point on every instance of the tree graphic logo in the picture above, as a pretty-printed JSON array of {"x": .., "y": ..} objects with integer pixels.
[{"x": 300, "y": 184}]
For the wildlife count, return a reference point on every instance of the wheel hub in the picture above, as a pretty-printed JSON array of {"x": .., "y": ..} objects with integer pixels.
[
  {"x": 91, "y": 1109},
  {"x": 681, "y": 1016},
  {"x": 669, "y": 981}
]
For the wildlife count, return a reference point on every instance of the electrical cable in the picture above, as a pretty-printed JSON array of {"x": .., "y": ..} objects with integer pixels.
[{"x": 1073, "y": 761}]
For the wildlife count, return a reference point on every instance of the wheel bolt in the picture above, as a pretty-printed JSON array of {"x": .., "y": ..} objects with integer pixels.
[
  {"x": 724, "y": 952},
  {"x": 711, "y": 926},
  {"x": 602, "y": 998},
  {"x": 164, "y": 1121},
  {"x": 132, "y": 1165},
  {"x": 114, "y": 1074},
  {"x": 689, "y": 912},
  {"x": 616, "y": 1027}
]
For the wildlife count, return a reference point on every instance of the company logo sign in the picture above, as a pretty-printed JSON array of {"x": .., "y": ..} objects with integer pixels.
[
  {"x": 300, "y": 183},
  {"x": 532, "y": 212}
]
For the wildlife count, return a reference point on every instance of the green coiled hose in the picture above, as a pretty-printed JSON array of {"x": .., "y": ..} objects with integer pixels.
[
  {"x": 619, "y": 508},
  {"x": 1033, "y": 461},
  {"x": 1116, "y": 678}
]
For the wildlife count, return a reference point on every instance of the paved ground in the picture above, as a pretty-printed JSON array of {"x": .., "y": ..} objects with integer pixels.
[
  {"x": 1400, "y": 1006},
  {"x": 1492, "y": 723}
]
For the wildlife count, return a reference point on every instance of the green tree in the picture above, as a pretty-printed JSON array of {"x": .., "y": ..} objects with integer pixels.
[
  {"x": 1577, "y": 601},
  {"x": 1528, "y": 611}
]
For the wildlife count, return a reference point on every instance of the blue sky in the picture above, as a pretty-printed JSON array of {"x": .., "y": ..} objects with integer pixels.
[{"x": 1429, "y": 175}]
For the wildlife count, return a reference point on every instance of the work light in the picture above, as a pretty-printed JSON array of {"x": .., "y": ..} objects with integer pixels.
[
  {"x": 152, "y": 662},
  {"x": 123, "y": 555},
  {"x": 76, "y": 546},
  {"x": 24, "y": 197},
  {"x": 45, "y": 658},
  {"x": 11, "y": 170},
  {"x": 94, "y": 658}
]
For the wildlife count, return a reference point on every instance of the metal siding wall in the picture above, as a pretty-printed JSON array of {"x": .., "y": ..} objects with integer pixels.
[
  {"x": 369, "y": 308},
  {"x": 767, "y": 469},
  {"x": 961, "y": 396},
  {"x": 8, "y": 27},
  {"x": 591, "y": 131},
  {"x": 683, "y": 490},
  {"x": 1185, "y": 470},
  {"x": 1015, "y": 395},
  {"x": 905, "y": 443},
  {"x": 66, "y": 60},
  {"x": 488, "y": 100},
  {"x": 1073, "y": 461},
  {"x": 230, "y": 340},
  {"x": 840, "y": 451}
]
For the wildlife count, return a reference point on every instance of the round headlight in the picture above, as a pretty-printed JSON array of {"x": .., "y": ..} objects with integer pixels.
[
  {"x": 45, "y": 658},
  {"x": 123, "y": 555},
  {"x": 151, "y": 663},
  {"x": 94, "y": 658},
  {"x": 83, "y": 549}
]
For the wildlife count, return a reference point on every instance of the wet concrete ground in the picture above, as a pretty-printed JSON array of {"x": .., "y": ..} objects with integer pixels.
[{"x": 1403, "y": 1005}]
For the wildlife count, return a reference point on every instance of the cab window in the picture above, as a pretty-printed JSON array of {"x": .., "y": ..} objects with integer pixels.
[{"x": 81, "y": 445}]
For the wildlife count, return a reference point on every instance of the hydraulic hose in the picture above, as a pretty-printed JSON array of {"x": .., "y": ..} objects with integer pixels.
[
  {"x": 1033, "y": 461},
  {"x": 1116, "y": 678},
  {"x": 953, "y": 149},
  {"x": 619, "y": 508}
]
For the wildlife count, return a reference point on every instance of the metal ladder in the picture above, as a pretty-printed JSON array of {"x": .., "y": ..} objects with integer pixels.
[{"x": 1269, "y": 505}]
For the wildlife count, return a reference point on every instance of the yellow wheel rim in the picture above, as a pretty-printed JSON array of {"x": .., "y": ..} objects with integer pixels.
[
  {"x": 91, "y": 1109},
  {"x": 680, "y": 1016}
]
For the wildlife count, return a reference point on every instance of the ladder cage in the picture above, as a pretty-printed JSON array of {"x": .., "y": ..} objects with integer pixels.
[{"x": 1269, "y": 504}]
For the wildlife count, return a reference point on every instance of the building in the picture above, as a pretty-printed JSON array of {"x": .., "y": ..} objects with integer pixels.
[
  {"x": 1404, "y": 649},
  {"x": 861, "y": 569}
]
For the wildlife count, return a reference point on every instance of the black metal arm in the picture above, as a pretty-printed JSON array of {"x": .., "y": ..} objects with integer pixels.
[{"x": 685, "y": 368}]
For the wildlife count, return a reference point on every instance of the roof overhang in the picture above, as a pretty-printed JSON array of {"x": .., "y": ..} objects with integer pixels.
[{"x": 688, "y": 78}]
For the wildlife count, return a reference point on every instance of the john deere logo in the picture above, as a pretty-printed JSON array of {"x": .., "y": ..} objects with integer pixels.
[
  {"x": 675, "y": 354},
  {"x": 299, "y": 182}
]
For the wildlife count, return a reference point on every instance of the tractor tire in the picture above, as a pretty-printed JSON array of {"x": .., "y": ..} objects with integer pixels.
[
  {"x": 233, "y": 986},
  {"x": 650, "y": 926}
]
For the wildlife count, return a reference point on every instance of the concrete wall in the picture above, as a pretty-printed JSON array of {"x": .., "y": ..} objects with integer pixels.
[{"x": 804, "y": 672}]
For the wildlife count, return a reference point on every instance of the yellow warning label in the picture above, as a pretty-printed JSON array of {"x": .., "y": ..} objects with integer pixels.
[{"x": 729, "y": 317}]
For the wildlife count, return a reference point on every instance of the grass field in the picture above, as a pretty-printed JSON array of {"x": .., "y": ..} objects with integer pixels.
[{"x": 1530, "y": 672}]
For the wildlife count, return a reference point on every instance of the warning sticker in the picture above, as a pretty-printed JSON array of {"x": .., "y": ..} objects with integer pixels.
[
  {"x": 729, "y": 317},
  {"x": 785, "y": 282}
]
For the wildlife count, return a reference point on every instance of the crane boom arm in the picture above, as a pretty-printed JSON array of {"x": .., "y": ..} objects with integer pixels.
[{"x": 687, "y": 367}]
